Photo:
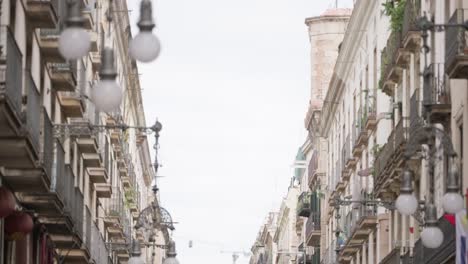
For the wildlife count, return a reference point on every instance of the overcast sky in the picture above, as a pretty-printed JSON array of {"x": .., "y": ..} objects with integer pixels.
[{"x": 231, "y": 88}]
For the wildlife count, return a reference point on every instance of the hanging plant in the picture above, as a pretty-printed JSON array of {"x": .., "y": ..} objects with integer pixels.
[{"x": 395, "y": 9}]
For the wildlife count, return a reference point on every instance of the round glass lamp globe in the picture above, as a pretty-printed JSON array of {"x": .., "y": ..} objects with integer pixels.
[
  {"x": 452, "y": 203},
  {"x": 145, "y": 47},
  {"x": 107, "y": 95},
  {"x": 171, "y": 260},
  {"x": 432, "y": 237},
  {"x": 74, "y": 43},
  {"x": 406, "y": 204},
  {"x": 136, "y": 260}
]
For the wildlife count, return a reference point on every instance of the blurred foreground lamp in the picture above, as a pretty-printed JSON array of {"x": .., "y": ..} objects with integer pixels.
[
  {"x": 431, "y": 236},
  {"x": 136, "y": 254},
  {"x": 171, "y": 254},
  {"x": 406, "y": 203},
  {"x": 107, "y": 94},
  {"x": 74, "y": 41},
  {"x": 452, "y": 202},
  {"x": 145, "y": 47}
]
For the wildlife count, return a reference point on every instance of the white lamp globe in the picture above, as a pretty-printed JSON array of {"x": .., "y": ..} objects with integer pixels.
[
  {"x": 171, "y": 260},
  {"x": 406, "y": 204},
  {"x": 145, "y": 47},
  {"x": 107, "y": 95},
  {"x": 432, "y": 237},
  {"x": 74, "y": 43},
  {"x": 136, "y": 260},
  {"x": 452, "y": 202}
]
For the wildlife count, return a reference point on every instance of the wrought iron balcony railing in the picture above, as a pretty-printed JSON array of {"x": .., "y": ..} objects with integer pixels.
[
  {"x": 456, "y": 46},
  {"x": 303, "y": 204},
  {"x": 116, "y": 204},
  {"x": 99, "y": 251},
  {"x": 33, "y": 112},
  {"x": 11, "y": 70},
  {"x": 313, "y": 223},
  {"x": 401, "y": 133},
  {"x": 388, "y": 61},
  {"x": 414, "y": 110},
  {"x": 436, "y": 90},
  {"x": 410, "y": 17},
  {"x": 47, "y": 143}
]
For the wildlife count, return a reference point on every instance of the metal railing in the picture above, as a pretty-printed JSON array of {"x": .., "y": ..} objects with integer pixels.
[
  {"x": 345, "y": 151},
  {"x": 388, "y": 59},
  {"x": 401, "y": 133},
  {"x": 11, "y": 73},
  {"x": 99, "y": 251},
  {"x": 116, "y": 204},
  {"x": 313, "y": 223},
  {"x": 33, "y": 112},
  {"x": 303, "y": 204},
  {"x": 88, "y": 225},
  {"x": 47, "y": 143},
  {"x": 312, "y": 167},
  {"x": 410, "y": 17},
  {"x": 436, "y": 90},
  {"x": 71, "y": 196},
  {"x": 414, "y": 109},
  {"x": 455, "y": 38}
]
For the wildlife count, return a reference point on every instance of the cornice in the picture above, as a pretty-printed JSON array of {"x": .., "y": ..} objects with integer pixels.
[{"x": 360, "y": 17}]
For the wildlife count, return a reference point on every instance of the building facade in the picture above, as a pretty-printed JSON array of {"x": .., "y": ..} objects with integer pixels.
[
  {"x": 82, "y": 187},
  {"x": 393, "y": 100}
]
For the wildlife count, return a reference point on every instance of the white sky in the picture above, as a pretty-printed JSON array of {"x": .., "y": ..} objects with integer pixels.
[{"x": 231, "y": 88}]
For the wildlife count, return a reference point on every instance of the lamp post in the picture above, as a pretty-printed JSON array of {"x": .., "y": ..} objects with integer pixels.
[
  {"x": 152, "y": 217},
  {"x": 426, "y": 134}
]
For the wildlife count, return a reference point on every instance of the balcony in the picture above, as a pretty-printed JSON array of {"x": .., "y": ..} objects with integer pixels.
[
  {"x": 72, "y": 104},
  {"x": 390, "y": 69},
  {"x": 95, "y": 58},
  {"x": 312, "y": 170},
  {"x": 401, "y": 137},
  {"x": 48, "y": 42},
  {"x": 42, "y": 13},
  {"x": 383, "y": 161},
  {"x": 415, "y": 117},
  {"x": 103, "y": 190},
  {"x": 456, "y": 47},
  {"x": 99, "y": 251},
  {"x": 97, "y": 175},
  {"x": 63, "y": 76},
  {"x": 411, "y": 34},
  {"x": 114, "y": 215},
  {"x": 89, "y": 14},
  {"x": 23, "y": 172},
  {"x": 370, "y": 115},
  {"x": 303, "y": 204},
  {"x": 358, "y": 225},
  {"x": 20, "y": 140},
  {"x": 313, "y": 229},
  {"x": 437, "y": 93},
  {"x": 349, "y": 162},
  {"x": 393, "y": 257}
]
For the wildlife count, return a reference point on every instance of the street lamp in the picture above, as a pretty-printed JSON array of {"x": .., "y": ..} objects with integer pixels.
[
  {"x": 106, "y": 94},
  {"x": 171, "y": 254},
  {"x": 74, "y": 41},
  {"x": 136, "y": 254},
  {"x": 452, "y": 202},
  {"x": 145, "y": 47}
]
